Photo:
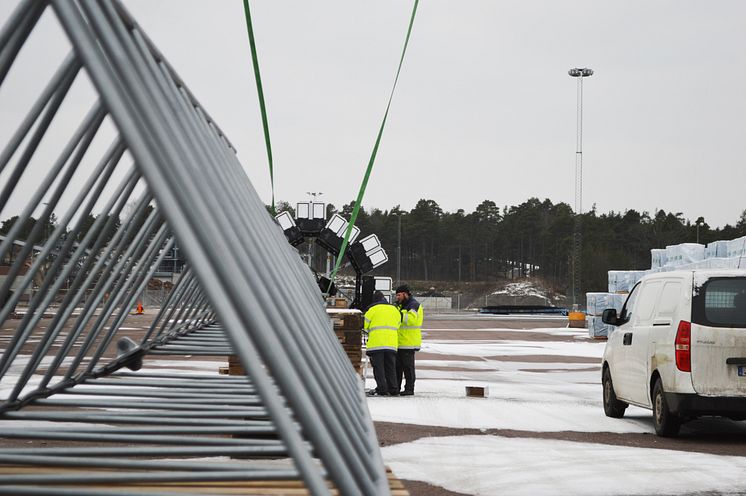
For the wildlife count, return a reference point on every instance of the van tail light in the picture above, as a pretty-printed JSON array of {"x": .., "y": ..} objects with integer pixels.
[{"x": 682, "y": 346}]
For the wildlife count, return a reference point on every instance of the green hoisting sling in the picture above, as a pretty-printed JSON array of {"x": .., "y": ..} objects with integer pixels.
[
  {"x": 260, "y": 91},
  {"x": 372, "y": 160}
]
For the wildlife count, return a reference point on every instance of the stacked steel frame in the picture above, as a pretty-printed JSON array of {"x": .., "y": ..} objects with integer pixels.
[{"x": 168, "y": 174}]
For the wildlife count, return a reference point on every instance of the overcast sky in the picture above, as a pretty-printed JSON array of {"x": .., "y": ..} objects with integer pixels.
[{"x": 484, "y": 109}]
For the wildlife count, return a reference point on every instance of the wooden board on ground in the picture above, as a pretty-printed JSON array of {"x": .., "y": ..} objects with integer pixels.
[{"x": 253, "y": 488}]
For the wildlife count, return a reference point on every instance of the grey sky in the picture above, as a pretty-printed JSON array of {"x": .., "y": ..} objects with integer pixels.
[{"x": 484, "y": 108}]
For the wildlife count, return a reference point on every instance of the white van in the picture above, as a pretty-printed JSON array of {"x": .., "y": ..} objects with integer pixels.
[{"x": 679, "y": 348}]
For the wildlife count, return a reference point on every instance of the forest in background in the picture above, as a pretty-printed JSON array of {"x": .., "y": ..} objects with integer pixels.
[
  {"x": 492, "y": 243},
  {"x": 534, "y": 237}
]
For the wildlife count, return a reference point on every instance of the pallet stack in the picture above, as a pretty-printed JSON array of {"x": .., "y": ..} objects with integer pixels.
[
  {"x": 234, "y": 367},
  {"x": 348, "y": 326}
]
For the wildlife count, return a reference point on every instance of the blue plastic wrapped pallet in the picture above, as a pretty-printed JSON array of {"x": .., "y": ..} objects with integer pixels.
[
  {"x": 736, "y": 247},
  {"x": 597, "y": 329},
  {"x": 716, "y": 249},
  {"x": 684, "y": 254},
  {"x": 596, "y": 303},
  {"x": 622, "y": 281},
  {"x": 658, "y": 258}
]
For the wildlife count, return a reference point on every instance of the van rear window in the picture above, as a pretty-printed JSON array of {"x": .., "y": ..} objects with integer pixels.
[{"x": 721, "y": 302}]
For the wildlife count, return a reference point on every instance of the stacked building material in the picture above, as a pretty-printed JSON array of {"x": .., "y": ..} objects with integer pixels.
[
  {"x": 658, "y": 258},
  {"x": 736, "y": 248},
  {"x": 716, "y": 249},
  {"x": 348, "y": 327},
  {"x": 724, "y": 254},
  {"x": 684, "y": 254},
  {"x": 622, "y": 281},
  {"x": 596, "y": 303}
]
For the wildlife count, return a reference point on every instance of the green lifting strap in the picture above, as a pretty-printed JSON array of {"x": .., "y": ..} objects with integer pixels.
[
  {"x": 372, "y": 160},
  {"x": 260, "y": 92}
]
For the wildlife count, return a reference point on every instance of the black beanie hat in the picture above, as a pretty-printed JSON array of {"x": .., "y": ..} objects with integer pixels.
[{"x": 403, "y": 289}]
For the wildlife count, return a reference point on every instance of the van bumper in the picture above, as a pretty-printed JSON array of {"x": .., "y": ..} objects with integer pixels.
[{"x": 694, "y": 405}]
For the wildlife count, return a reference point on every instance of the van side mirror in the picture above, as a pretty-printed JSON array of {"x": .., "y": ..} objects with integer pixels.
[{"x": 609, "y": 317}]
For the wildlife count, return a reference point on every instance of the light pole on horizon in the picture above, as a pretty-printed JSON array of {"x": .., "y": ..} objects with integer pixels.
[
  {"x": 311, "y": 251},
  {"x": 580, "y": 74}
]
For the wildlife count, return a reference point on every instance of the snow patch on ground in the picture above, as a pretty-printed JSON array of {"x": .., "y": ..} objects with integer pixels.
[
  {"x": 551, "y": 404},
  {"x": 493, "y": 465},
  {"x": 523, "y": 288},
  {"x": 590, "y": 349}
]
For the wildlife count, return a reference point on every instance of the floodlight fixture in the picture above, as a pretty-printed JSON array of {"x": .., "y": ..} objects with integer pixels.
[
  {"x": 384, "y": 284},
  {"x": 310, "y": 217},
  {"x": 332, "y": 236},
  {"x": 291, "y": 231},
  {"x": 370, "y": 285},
  {"x": 367, "y": 254},
  {"x": 378, "y": 257},
  {"x": 285, "y": 220},
  {"x": 580, "y": 72},
  {"x": 338, "y": 225},
  {"x": 318, "y": 210},
  {"x": 370, "y": 243},
  {"x": 303, "y": 210}
]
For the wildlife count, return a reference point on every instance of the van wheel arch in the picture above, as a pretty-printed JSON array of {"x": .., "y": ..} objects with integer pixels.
[
  {"x": 654, "y": 377},
  {"x": 613, "y": 407}
]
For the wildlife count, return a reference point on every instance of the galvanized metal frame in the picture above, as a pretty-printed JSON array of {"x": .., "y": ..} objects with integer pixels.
[{"x": 244, "y": 292}]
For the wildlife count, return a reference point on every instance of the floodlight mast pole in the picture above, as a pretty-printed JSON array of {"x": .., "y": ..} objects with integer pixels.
[
  {"x": 398, "y": 249},
  {"x": 311, "y": 251},
  {"x": 580, "y": 74}
]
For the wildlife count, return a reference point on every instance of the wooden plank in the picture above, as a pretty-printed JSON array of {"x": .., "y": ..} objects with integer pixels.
[{"x": 254, "y": 488}]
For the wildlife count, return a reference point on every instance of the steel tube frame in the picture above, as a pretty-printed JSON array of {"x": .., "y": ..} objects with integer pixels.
[{"x": 300, "y": 396}]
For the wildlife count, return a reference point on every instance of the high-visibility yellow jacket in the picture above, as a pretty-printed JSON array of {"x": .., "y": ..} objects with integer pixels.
[
  {"x": 410, "y": 331},
  {"x": 382, "y": 322}
]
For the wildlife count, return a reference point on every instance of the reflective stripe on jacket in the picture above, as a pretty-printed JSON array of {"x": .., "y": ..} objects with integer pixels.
[
  {"x": 410, "y": 331},
  {"x": 382, "y": 322}
]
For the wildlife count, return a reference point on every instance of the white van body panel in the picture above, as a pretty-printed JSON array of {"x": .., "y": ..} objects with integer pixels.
[
  {"x": 711, "y": 347},
  {"x": 645, "y": 345}
]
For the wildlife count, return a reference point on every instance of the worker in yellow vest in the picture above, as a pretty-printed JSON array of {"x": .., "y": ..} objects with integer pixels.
[
  {"x": 382, "y": 321},
  {"x": 410, "y": 337}
]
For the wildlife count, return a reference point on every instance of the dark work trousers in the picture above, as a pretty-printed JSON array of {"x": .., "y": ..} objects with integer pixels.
[
  {"x": 405, "y": 367},
  {"x": 384, "y": 371}
]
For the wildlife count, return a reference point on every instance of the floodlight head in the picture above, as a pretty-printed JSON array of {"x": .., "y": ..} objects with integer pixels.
[
  {"x": 318, "y": 210},
  {"x": 367, "y": 254},
  {"x": 285, "y": 220},
  {"x": 384, "y": 283},
  {"x": 310, "y": 218},
  {"x": 303, "y": 210},
  {"x": 291, "y": 231},
  {"x": 580, "y": 72},
  {"x": 378, "y": 257},
  {"x": 332, "y": 236},
  {"x": 370, "y": 243},
  {"x": 336, "y": 224}
]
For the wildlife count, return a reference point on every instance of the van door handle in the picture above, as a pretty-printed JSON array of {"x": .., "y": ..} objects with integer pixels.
[
  {"x": 736, "y": 361},
  {"x": 627, "y": 341}
]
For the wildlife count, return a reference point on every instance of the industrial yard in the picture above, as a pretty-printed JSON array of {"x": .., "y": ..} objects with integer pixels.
[{"x": 372, "y": 248}]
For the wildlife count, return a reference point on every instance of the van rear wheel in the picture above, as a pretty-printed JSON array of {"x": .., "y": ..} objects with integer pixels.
[
  {"x": 612, "y": 406},
  {"x": 667, "y": 424}
]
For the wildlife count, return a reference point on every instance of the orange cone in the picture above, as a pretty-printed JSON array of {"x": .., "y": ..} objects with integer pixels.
[{"x": 140, "y": 309}]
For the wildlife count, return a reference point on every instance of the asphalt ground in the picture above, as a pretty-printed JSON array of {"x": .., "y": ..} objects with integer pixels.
[{"x": 708, "y": 435}]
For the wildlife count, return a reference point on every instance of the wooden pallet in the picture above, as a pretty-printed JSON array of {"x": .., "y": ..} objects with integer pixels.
[
  {"x": 254, "y": 488},
  {"x": 348, "y": 327}
]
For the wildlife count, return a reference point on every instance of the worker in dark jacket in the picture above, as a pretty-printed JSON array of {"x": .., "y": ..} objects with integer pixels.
[
  {"x": 410, "y": 337},
  {"x": 382, "y": 321}
]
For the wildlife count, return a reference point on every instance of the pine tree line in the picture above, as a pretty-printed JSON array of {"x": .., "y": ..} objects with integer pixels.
[{"x": 535, "y": 236}]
